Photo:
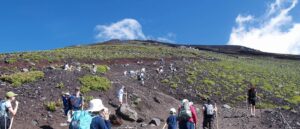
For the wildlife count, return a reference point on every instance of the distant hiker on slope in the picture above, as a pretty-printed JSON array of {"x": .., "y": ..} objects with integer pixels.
[
  {"x": 208, "y": 114},
  {"x": 100, "y": 115},
  {"x": 187, "y": 115},
  {"x": 252, "y": 99},
  {"x": 172, "y": 120},
  {"x": 120, "y": 95},
  {"x": 66, "y": 102},
  {"x": 6, "y": 110},
  {"x": 77, "y": 103},
  {"x": 94, "y": 68}
]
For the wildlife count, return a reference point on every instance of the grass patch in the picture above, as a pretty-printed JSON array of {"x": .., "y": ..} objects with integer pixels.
[
  {"x": 51, "y": 106},
  {"x": 102, "y": 68},
  {"x": 294, "y": 100},
  {"x": 90, "y": 82},
  {"x": 17, "y": 79},
  {"x": 266, "y": 106},
  {"x": 60, "y": 85}
]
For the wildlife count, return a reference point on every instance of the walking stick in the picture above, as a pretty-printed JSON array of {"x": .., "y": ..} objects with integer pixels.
[
  {"x": 217, "y": 115},
  {"x": 126, "y": 97},
  {"x": 11, "y": 122}
]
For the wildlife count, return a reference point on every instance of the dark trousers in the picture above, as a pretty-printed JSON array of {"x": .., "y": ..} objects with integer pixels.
[
  {"x": 208, "y": 122},
  {"x": 4, "y": 121}
]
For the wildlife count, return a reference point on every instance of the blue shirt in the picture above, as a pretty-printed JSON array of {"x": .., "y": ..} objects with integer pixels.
[
  {"x": 172, "y": 122},
  {"x": 99, "y": 123}
]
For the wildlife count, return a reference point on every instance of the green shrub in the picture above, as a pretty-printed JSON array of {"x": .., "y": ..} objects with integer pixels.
[
  {"x": 51, "y": 106},
  {"x": 11, "y": 60},
  {"x": 102, "y": 68},
  {"x": 19, "y": 78},
  {"x": 164, "y": 81},
  {"x": 90, "y": 82},
  {"x": 173, "y": 85},
  {"x": 209, "y": 82},
  {"x": 294, "y": 100},
  {"x": 60, "y": 85},
  {"x": 88, "y": 98},
  {"x": 266, "y": 105}
]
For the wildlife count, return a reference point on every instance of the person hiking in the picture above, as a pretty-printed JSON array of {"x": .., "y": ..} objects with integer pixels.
[
  {"x": 208, "y": 114},
  {"x": 172, "y": 120},
  {"x": 252, "y": 99},
  {"x": 76, "y": 102},
  {"x": 6, "y": 110},
  {"x": 100, "y": 115},
  {"x": 187, "y": 115},
  {"x": 121, "y": 94},
  {"x": 66, "y": 102}
]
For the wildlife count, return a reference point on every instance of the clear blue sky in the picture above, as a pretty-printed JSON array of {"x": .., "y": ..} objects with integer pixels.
[{"x": 27, "y": 25}]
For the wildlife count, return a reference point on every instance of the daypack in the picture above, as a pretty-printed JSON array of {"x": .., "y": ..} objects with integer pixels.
[
  {"x": 75, "y": 102},
  {"x": 185, "y": 112},
  {"x": 3, "y": 110},
  {"x": 81, "y": 120},
  {"x": 252, "y": 94},
  {"x": 209, "y": 109}
]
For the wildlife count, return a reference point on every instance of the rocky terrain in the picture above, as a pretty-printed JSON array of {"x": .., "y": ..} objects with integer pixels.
[{"x": 187, "y": 73}]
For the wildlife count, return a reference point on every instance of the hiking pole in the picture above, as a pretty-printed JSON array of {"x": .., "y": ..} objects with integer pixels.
[
  {"x": 82, "y": 103},
  {"x": 126, "y": 97},
  {"x": 217, "y": 115},
  {"x": 11, "y": 122}
]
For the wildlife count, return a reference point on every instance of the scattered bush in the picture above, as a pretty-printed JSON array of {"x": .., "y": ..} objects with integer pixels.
[
  {"x": 102, "y": 68},
  {"x": 51, "y": 106},
  {"x": 19, "y": 78},
  {"x": 60, "y": 85},
  {"x": 294, "y": 100},
  {"x": 97, "y": 83}
]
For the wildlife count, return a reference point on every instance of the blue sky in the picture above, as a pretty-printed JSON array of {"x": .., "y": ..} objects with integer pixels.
[{"x": 40, "y": 25}]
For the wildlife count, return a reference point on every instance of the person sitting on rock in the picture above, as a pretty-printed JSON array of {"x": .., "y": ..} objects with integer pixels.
[
  {"x": 100, "y": 115},
  {"x": 94, "y": 68},
  {"x": 6, "y": 110},
  {"x": 172, "y": 120},
  {"x": 252, "y": 99}
]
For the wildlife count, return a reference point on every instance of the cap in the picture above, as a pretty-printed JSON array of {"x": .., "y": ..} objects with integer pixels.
[{"x": 10, "y": 94}]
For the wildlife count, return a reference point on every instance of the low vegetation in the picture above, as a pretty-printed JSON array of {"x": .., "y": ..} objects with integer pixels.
[
  {"x": 51, "y": 106},
  {"x": 102, "y": 68},
  {"x": 19, "y": 78},
  {"x": 92, "y": 82}
]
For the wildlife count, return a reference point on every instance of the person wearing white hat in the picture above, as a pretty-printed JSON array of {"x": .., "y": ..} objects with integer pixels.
[
  {"x": 66, "y": 102},
  {"x": 6, "y": 110},
  {"x": 172, "y": 120},
  {"x": 121, "y": 94},
  {"x": 100, "y": 115}
]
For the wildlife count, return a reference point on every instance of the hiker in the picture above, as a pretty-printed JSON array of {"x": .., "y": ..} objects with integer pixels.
[
  {"x": 121, "y": 94},
  {"x": 67, "y": 67},
  {"x": 172, "y": 120},
  {"x": 100, "y": 115},
  {"x": 6, "y": 110},
  {"x": 66, "y": 102},
  {"x": 141, "y": 77},
  {"x": 94, "y": 68},
  {"x": 187, "y": 115},
  {"x": 252, "y": 99},
  {"x": 76, "y": 102},
  {"x": 208, "y": 114}
]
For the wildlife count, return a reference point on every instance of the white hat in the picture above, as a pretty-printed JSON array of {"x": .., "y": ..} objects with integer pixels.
[
  {"x": 184, "y": 101},
  {"x": 191, "y": 103},
  {"x": 96, "y": 105},
  {"x": 173, "y": 110}
]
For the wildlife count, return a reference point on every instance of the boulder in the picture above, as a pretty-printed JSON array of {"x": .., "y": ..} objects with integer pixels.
[
  {"x": 127, "y": 113},
  {"x": 157, "y": 100},
  {"x": 155, "y": 122},
  {"x": 25, "y": 70},
  {"x": 226, "y": 106}
]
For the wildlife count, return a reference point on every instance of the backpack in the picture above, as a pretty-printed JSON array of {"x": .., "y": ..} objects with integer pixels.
[
  {"x": 3, "y": 110},
  {"x": 209, "y": 109},
  {"x": 185, "y": 112},
  {"x": 252, "y": 94},
  {"x": 75, "y": 102},
  {"x": 81, "y": 120}
]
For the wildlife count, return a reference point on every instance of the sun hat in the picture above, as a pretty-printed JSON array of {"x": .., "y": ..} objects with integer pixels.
[
  {"x": 96, "y": 105},
  {"x": 173, "y": 110},
  {"x": 10, "y": 94},
  {"x": 184, "y": 101}
]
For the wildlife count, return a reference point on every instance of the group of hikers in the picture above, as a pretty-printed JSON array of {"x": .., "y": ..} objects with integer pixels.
[{"x": 96, "y": 116}]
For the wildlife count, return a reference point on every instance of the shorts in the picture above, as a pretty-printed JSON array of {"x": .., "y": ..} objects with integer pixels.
[
  {"x": 252, "y": 101},
  {"x": 121, "y": 99}
]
